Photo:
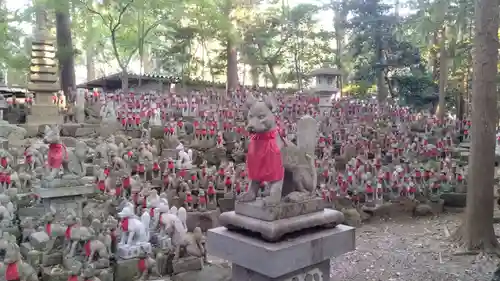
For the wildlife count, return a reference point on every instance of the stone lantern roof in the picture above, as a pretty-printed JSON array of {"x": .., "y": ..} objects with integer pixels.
[{"x": 326, "y": 69}]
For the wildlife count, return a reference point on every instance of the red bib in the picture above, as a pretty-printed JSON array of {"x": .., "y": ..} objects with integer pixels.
[
  {"x": 141, "y": 265},
  {"x": 87, "y": 249},
  {"x": 73, "y": 278},
  {"x": 67, "y": 234},
  {"x": 124, "y": 224},
  {"x": 264, "y": 161},
  {"x": 48, "y": 228},
  {"x": 12, "y": 273}
]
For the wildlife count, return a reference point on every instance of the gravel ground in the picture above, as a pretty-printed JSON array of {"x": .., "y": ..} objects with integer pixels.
[{"x": 411, "y": 250}]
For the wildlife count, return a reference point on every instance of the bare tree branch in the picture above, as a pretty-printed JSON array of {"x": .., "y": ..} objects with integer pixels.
[{"x": 121, "y": 13}]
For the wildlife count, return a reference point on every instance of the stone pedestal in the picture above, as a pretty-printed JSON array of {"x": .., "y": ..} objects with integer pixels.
[
  {"x": 133, "y": 251},
  {"x": 305, "y": 256},
  {"x": 275, "y": 221},
  {"x": 44, "y": 82}
]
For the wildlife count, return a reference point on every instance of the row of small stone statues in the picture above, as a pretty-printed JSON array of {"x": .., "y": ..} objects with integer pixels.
[{"x": 76, "y": 247}]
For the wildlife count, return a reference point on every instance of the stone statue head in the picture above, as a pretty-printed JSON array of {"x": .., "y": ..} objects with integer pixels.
[
  {"x": 126, "y": 212},
  {"x": 51, "y": 134},
  {"x": 260, "y": 117},
  {"x": 12, "y": 252}
]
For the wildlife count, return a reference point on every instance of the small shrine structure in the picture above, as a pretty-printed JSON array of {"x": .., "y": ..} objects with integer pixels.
[{"x": 327, "y": 85}]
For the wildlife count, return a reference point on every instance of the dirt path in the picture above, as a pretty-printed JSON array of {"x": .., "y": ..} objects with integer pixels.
[{"x": 411, "y": 250}]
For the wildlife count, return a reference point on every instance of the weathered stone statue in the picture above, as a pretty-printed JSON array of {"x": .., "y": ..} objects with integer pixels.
[
  {"x": 134, "y": 234},
  {"x": 185, "y": 160},
  {"x": 13, "y": 267},
  {"x": 269, "y": 155},
  {"x": 64, "y": 166}
]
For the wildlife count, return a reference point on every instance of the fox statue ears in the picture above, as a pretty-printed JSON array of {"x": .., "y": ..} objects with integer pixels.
[
  {"x": 51, "y": 129},
  {"x": 269, "y": 100}
]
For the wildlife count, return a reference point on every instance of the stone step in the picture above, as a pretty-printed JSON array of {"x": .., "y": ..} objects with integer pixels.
[
  {"x": 44, "y": 87},
  {"x": 41, "y": 77},
  {"x": 47, "y": 47},
  {"x": 42, "y": 54},
  {"x": 43, "y": 61},
  {"x": 43, "y": 69}
]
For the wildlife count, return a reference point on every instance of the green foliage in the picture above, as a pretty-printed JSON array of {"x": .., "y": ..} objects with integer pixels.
[
  {"x": 417, "y": 91},
  {"x": 276, "y": 43}
]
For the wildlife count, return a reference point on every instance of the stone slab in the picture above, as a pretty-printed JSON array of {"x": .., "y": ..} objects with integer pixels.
[
  {"x": 258, "y": 210},
  {"x": 187, "y": 264},
  {"x": 126, "y": 270},
  {"x": 278, "y": 259},
  {"x": 320, "y": 272},
  {"x": 275, "y": 230},
  {"x": 63, "y": 191},
  {"x": 205, "y": 220}
]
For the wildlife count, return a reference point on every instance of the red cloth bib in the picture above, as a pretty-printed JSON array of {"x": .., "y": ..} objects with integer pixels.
[
  {"x": 101, "y": 185},
  {"x": 73, "y": 278},
  {"x": 57, "y": 152},
  {"x": 48, "y": 228},
  {"x": 67, "y": 234},
  {"x": 12, "y": 273},
  {"x": 126, "y": 182},
  {"x": 141, "y": 265},
  {"x": 264, "y": 161},
  {"x": 156, "y": 167},
  {"x": 124, "y": 224},
  {"x": 88, "y": 251}
]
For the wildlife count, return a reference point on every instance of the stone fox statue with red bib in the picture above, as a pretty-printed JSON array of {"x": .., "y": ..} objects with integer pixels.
[{"x": 287, "y": 169}]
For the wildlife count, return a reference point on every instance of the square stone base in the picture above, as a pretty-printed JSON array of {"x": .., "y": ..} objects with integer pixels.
[
  {"x": 126, "y": 270},
  {"x": 133, "y": 251},
  {"x": 45, "y": 114},
  {"x": 275, "y": 260},
  {"x": 275, "y": 230},
  {"x": 319, "y": 272}
]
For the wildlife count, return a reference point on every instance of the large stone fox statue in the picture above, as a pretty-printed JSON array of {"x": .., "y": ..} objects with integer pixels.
[{"x": 272, "y": 160}]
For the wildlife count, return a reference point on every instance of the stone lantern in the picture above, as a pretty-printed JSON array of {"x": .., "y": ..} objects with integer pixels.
[{"x": 327, "y": 85}]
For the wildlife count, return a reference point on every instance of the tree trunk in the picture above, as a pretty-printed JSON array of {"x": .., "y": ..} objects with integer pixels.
[
  {"x": 124, "y": 77},
  {"x": 381, "y": 90},
  {"x": 476, "y": 231},
  {"x": 90, "y": 58},
  {"x": 232, "y": 66},
  {"x": 433, "y": 61},
  {"x": 443, "y": 75},
  {"x": 272, "y": 74},
  {"x": 147, "y": 62},
  {"x": 65, "y": 48},
  {"x": 254, "y": 73}
]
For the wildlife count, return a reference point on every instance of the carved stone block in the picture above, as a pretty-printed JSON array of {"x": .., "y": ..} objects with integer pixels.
[
  {"x": 258, "y": 210},
  {"x": 165, "y": 243},
  {"x": 126, "y": 270},
  {"x": 38, "y": 240},
  {"x": 319, "y": 272},
  {"x": 187, "y": 264},
  {"x": 50, "y": 273},
  {"x": 311, "y": 251},
  {"x": 133, "y": 251},
  {"x": 34, "y": 258},
  {"x": 105, "y": 274},
  {"x": 52, "y": 259},
  {"x": 205, "y": 220}
]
